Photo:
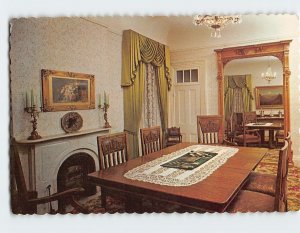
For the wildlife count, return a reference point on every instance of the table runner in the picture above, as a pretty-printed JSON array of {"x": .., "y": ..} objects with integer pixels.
[{"x": 153, "y": 172}]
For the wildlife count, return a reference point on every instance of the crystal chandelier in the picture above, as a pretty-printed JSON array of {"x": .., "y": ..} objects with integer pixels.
[
  {"x": 216, "y": 23},
  {"x": 268, "y": 75}
]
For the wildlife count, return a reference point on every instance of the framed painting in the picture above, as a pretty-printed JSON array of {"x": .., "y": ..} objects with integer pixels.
[
  {"x": 64, "y": 91},
  {"x": 269, "y": 97}
]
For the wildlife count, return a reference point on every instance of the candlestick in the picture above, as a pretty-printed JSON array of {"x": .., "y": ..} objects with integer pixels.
[
  {"x": 34, "y": 115},
  {"x": 105, "y": 108}
]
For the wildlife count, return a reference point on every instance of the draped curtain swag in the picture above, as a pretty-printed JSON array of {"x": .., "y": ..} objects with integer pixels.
[
  {"x": 243, "y": 82},
  {"x": 138, "y": 50}
]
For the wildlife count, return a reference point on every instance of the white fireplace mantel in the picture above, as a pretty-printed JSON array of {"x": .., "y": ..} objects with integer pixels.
[{"x": 43, "y": 157}]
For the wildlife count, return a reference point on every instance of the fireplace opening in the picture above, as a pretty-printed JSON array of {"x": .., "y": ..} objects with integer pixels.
[{"x": 73, "y": 174}]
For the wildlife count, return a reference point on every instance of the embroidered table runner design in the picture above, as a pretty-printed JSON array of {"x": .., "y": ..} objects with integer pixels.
[{"x": 162, "y": 170}]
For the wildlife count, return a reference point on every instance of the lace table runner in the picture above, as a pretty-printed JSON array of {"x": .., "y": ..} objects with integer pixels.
[{"x": 153, "y": 172}]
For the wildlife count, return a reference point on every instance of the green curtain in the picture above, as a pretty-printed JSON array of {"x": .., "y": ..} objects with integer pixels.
[
  {"x": 137, "y": 50},
  {"x": 237, "y": 81}
]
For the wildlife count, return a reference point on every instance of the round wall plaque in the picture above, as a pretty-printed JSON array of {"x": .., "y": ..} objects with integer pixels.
[{"x": 71, "y": 122}]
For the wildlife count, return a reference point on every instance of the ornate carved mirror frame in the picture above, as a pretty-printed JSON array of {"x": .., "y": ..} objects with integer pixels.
[{"x": 277, "y": 49}]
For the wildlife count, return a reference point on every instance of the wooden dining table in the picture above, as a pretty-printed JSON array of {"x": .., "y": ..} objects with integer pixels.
[
  {"x": 212, "y": 194},
  {"x": 266, "y": 126}
]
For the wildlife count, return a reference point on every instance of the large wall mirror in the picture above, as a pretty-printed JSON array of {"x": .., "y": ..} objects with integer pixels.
[{"x": 248, "y": 63}]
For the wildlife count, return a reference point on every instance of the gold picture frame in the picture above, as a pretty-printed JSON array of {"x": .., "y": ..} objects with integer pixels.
[
  {"x": 65, "y": 91},
  {"x": 269, "y": 97}
]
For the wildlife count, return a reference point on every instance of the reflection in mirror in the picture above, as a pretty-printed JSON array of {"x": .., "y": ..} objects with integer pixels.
[{"x": 254, "y": 84}]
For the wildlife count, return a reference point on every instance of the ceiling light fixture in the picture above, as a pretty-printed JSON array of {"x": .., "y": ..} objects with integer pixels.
[
  {"x": 268, "y": 75},
  {"x": 216, "y": 23}
]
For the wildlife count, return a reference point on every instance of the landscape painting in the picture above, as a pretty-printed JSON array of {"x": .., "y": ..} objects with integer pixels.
[{"x": 269, "y": 97}]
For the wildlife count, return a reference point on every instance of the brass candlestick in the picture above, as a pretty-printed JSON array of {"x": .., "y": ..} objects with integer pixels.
[
  {"x": 105, "y": 108},
  {"x": 34, "y": 115}
]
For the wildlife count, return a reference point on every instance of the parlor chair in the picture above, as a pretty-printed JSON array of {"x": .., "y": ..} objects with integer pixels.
[
  {"x": 249, "y": 136},
  {"x": 26, "y": 201},
  {"x": 210, "y": 130},
  {"x": 173, "y": 136},
  {"x": 151, "y": 140},
  {"x": 249, "y": 201},
  {"x": 266, "y": 183},
  {"x": 112, "y": 151}
]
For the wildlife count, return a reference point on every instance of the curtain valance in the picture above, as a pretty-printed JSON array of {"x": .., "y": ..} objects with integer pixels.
[
  {"x": 238, "y": 81},
  {"x": 138, "y": 48}
]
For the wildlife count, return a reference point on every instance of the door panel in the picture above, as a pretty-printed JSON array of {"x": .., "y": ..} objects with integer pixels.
[{"x": 187, "y": 107}]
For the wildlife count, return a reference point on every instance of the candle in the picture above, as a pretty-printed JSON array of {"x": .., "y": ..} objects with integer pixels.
[
  {"x": 26, "y": 99},
  {"x": 41, "y": 99},
  {"x": 100, "y": 99},
  {"x": 104, "y": 97},
  {"x": 108, "y": 99},
  {"x": 32, "y": 98}
]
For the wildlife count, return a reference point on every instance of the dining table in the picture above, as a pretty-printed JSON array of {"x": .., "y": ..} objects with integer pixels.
[
  {"x": 266, "y": 126},
  {"x": 214, "y": 193}
]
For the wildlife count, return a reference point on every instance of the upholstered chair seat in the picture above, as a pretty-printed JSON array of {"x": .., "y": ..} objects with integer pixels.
[
  {"x": 248, "y": 201},
  {"x": 262, "y": 183}
]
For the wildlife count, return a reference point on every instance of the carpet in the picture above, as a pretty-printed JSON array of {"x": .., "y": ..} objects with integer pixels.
[{"x": 268, "y": 165}]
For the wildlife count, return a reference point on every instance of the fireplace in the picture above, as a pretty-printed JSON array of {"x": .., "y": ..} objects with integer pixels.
[
  {"x": 72, "y": 174},
  {"x": 60, "y": 162}
]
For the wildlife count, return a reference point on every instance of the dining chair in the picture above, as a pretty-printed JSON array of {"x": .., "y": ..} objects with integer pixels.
[
  {"x": 173, "y": 136},
  {"x": 112, "y": 151},
  {"x": 150, "y": 140},
  {"x": 249, "y": 136},
  {"x": 265, "y": 183},
  {"x": 249, "y": 201},
  {"x": 210, "y": 130},
  {"x": 235, "y": 126},
  {"x": 28, "y": 200}
]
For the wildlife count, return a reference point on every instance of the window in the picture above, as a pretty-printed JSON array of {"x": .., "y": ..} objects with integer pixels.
[{"x": 187, "y": 76}]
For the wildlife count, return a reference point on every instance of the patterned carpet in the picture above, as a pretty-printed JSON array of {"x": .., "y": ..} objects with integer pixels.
[{"x": 267, "y": 165}]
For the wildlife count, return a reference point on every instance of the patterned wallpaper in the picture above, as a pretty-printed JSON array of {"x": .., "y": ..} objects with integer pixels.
[{"x": 66, "y": 44}]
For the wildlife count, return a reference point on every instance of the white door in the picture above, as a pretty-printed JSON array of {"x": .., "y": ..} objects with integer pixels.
[{"x": 186, "y": 109}]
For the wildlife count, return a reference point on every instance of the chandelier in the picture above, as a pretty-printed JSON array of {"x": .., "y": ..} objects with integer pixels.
[
  {"x": 268, "y": 75},
  {"x": 216, "y": 23}
]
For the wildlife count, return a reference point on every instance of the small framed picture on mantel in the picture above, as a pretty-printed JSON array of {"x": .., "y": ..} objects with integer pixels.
[{"x": 65, "y": 91}]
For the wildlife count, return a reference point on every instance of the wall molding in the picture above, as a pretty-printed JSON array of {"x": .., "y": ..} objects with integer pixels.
[{"x": 238, "y": 43}]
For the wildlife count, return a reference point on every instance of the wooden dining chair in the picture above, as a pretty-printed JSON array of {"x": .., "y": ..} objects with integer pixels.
[
  {"x": 249, "y": 136},
  {"x": 265, "y": 183},
  {"x": 112, "y": 151},
  {"x": 150, "y": 140},
  {"x": 249, "y": 201},
  {"x": 27, "y": 201},
  {"x": 210, "y": 130},
  {"x": 173, "y": 136}
]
